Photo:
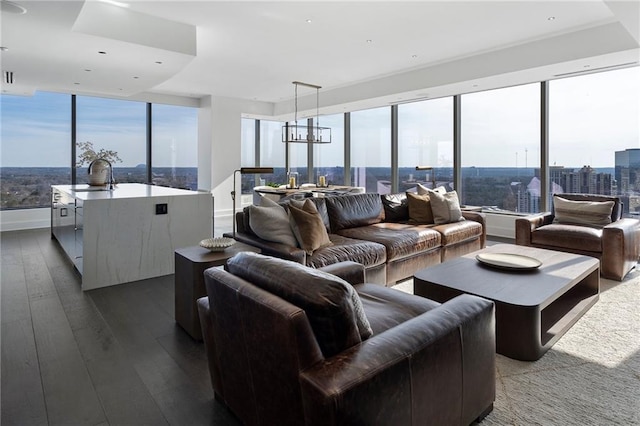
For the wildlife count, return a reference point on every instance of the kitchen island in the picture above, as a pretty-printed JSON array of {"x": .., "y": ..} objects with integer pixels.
[{"x": 128, "y": 233}]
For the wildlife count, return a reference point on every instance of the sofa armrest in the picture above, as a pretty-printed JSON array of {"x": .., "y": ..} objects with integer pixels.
[
  {"x": 438, "y": 367},
  {"x": 351, "y": 272},
  {"x": 481, "y": 218},
  {"x": 269, "y": 248},
  {"x": 620, "y": 248},
  {"x": 526, "y": 225}
]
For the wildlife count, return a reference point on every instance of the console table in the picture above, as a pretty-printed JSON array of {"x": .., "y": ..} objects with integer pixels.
[{"x": 191, "y": 262}]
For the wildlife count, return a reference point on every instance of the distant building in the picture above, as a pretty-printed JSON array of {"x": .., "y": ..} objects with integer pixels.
[
  {"x": 584, "y": 181},
  {"x": 627, "y": 174}
]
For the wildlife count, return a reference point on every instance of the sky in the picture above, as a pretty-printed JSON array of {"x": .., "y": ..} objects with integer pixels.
[{"x": 591, "y": 117}]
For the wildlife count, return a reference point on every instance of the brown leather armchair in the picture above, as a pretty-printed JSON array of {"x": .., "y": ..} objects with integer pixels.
[
  {"x": 426, "y": 362},
  {"x": 616, "y": 244}
]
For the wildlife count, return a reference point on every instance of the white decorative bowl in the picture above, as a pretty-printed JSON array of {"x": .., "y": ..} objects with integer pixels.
[{"x": 217, "y": 244}]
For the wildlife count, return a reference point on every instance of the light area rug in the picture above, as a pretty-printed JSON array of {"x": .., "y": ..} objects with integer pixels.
[{"x": 591, "y": 376}]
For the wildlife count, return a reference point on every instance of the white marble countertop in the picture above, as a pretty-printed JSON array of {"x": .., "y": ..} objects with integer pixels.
[{"x": 121, "y": 190}]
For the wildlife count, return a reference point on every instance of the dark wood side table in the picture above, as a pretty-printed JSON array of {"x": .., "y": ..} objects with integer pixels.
[{"x": 190, "y": 264}]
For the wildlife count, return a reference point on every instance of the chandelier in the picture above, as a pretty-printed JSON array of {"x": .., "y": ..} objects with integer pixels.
[{"x": 306, "y": 133}]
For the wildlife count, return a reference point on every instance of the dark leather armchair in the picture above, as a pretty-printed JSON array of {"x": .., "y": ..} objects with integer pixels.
[
  {"x": 426, "y": 363},
  {"x": 616, "y": 244}
]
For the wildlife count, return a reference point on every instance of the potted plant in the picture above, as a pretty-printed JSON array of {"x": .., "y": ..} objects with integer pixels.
[{"x": 98, "y": 171}]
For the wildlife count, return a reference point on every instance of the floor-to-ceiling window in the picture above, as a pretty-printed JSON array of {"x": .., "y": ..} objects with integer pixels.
[
  {"x": 35, "y": 148},
  {"x": 501, "y": 149},
  {"x": 174, "y": 150},
  {"x": 371, "y": 149},
  {"x": 425, "y": 139},
  {"x": 328, "y": 159},
  {"x": 594, "y": 135},
  {"x": 272, "y": 152},
  {"x": 113, "y": 125}
]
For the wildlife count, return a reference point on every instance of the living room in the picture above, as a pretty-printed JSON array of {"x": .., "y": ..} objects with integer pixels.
[{"x": 586, "y": 55}]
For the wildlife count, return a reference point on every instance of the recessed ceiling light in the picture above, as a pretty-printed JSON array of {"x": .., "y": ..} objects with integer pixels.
[
  {"x": 369, "y": 41},
  {"x": 102, "y": 52},
  {"x": 551, "y": 18},
  {"x": 77, "y": 84},
  {"x": 159, "y": 62},
  {"x": 586, "y": 66},
  {"x": 309, "y": 21},
  {"x": 4, "y": 48},
  {"x": 414, "y": 56},
  {"x": 87, "y": 70},
  {"x": 136, "y": 77}
]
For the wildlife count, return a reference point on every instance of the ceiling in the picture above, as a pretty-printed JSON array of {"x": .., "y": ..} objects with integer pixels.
[{"x": 363, "y": 54}]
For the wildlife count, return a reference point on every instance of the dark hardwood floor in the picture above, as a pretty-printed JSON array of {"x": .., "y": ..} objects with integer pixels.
[{"x": 111, "y": 356}]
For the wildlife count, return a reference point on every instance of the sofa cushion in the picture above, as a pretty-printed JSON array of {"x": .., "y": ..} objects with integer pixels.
[
  {"x": 400, "y": 240},
  {"x": 354, "y": 210},
  {"x": 308, "y": 227},
  {"x": 271, "y": 224},
  {"x": 332, "y": 305},
  {"x": 572, "y": 237},
  {"x": 458, "y": 232},
  {"x": 396, "y": 207},
  {"x": 386, "y": 307},
  {"x": 445, "y": 207},
  {"x": 366, "y": 253},
  {"x": 590, "y": 213},
  {"x": 419, "y": 209}
]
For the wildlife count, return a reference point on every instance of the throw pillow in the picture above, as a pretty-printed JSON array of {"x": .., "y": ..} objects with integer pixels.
[
  {"x": 419, "y": 209},
  {"x": 423, "y": 190},
  {"x": 271, "y": 224},
  {"x": 445, "y": 207},
  {"x": 590, "y": 213},
  {"x": 396, "y": 207},
  {"x": 268, "y": 202},
  {"x": 308, "y": 227},
  {"x": 332, "y": 305}
]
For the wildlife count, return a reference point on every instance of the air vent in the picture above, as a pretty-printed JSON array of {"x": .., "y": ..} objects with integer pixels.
[
  {"x": 590, "y": 70},
  {"x": 8, "y": 77}
]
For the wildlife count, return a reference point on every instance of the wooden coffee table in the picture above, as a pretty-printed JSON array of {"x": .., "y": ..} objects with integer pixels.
[{"x": 533, "y": 308}]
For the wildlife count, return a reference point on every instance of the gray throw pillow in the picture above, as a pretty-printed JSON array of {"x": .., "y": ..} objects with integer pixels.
[
  {"x": 445, "y": 207},
  {"x": 272, "y": 224},
  {"x": 590, "y": 213}
]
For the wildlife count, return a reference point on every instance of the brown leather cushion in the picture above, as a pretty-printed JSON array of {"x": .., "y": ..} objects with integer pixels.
[
  {"x": 457, "y": 232},
  {"x": 396, "y": 207},
  {"x": 400, "y": 240},
  {"x": 576, "y": 237},
  {"x": 354, "y": 210},
  {"x": 308, "y": 227},
  {"x": 328, "y": 301},
  {"x": 385, "y": 307},
  {"x": 366, "y": 253},
  {"x": 419, "y": 208}
]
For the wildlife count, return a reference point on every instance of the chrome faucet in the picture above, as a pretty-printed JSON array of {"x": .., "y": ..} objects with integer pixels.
[{"x": 111, "y": 183}]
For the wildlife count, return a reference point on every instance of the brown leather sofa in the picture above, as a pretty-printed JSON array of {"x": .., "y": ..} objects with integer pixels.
[
  {"x": 616, "y": 244},
  {"x": 273, "y": 362},
  {"x": 374, "y": 230}
]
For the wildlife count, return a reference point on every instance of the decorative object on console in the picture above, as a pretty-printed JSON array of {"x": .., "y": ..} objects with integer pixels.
[
  {"x": 292, "y": 180},
  {"x": 217, "y": 244},
  {"x": 306, "y": 133},
  {"x": 245, "y": 171},
  {"x": 322, "y": 181}
]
